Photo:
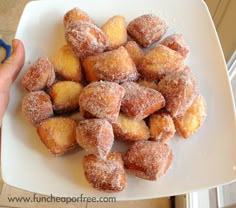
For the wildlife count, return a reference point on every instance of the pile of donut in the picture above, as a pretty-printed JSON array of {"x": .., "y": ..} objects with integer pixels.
[{"x": 118, "y": 92}]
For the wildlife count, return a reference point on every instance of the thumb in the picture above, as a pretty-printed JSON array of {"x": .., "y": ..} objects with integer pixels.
[
  {"x": 12, "y": 66},
  {"x": 8, "y": 73}
]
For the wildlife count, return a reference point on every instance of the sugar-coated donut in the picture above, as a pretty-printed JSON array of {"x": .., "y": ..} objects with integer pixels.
[
  {"x": 65, "y": 96},
  {"x": 105, "y": 175},
  {"x": 85, "y": 38},
  {"x": 135, "y": 52},
  {"x": 147, "y": 29},
  {"x": 58, "y": 134},
  {"x": 159, "y": 62},
  {"x": 37, "y": 106},
  {"x": 67, "y": 65},
  {"x": 101, "y": 100},
  {"x": 176, "y": 43},
  {"x": 162, "y": 126},
  {"x": 114, "y": 66},
  {"x": 75, "y": 15},
  {"x": 139, "y": 102},
  {"x": 179, "y": 89},
  {"x": 192, "y": 119},
  {"x": 39, "y": 75},
  {"x": 128, "y": 129},
  {"x": 148, "y": 159},
  {"x": 95, "y": 136},
  {"x": 115, "y": 29}
]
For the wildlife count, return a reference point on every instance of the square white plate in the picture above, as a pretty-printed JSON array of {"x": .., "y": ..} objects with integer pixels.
[{"x": 205, "y": 160}]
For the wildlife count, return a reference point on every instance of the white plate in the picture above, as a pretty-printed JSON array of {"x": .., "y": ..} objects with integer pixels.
[{"x": 205, "y": 160}]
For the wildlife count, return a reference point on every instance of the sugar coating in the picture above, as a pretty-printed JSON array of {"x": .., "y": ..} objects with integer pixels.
[
  {"x": 139, "y": 102},
  {"x": 147, "y": 29},
  {"x": 115, "y": 29},
  {"x": 162, "y": 126},
  {"x": 159, "y": 62},
  {"x": 179, "y": 90},
  {"x": 85, "y": 38},
  {"x": 102, "y": 100},
  {"x": 115, "y": 66},
  {"x": 193, "y": 118},
  {"x": 37, "y": 106},
  {"x": 148, "y": 159},
  {"x": 105, "y": 175},
  {"x": 176, "y": 42},
  {"x": 128, "y": 129},
  {"x": 39, "y": 76},
  {"x": 58, "y": 134},
  {"x": 135, "y": 52},
  {"x": 95, "y": 136},
  {"x": 75, "y": 15}
]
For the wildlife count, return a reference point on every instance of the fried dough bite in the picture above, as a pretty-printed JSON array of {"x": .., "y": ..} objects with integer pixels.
[
  {"x": 65, "y": 96},
  {"x": 95, "y": 136},
  {"x": 85, "y": 38},
  {"x": 114, "y": 66},
  {"x": 115, "y": 29},
  {"x": 176, "y": 43},
  {"x": 67, "y": 65},
  {"x": 105, "y": 175},
  {"x": 159, "y": 62},
  {"x": 148, "y": 160},
  {"x": 139, "y": 102},
  {"x": 58, "y": 134},
  {"x": 128, "y": 129},
  {"x": 147, "y": 29},
  {"x": 37, "y": 106},
  {"x": 192, "y": 119},
  {"x": 162, "y": 127},
  {"x": 146, "y": 83},
  {"x": 75, "y": 15},
  {"x": 101, "y": 100},
  {"x": 135, "y": 52},
  {"x": 39, "y": 75},
  {"x": 179, "y": 89}
]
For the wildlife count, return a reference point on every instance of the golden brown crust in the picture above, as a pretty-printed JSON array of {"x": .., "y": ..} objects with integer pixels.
[
  {"x": 85, "y": 38},
  {"x": 179, "y": 90},
  {"x": 67, "y": 65},
  {"x": 39, "y": 75},
  {"x": 65, "y": 96},
  {"x": 148, "y": 160},
  {"x": 37, "y": 106},
  {"x": 159, "y": 62},
  {"x": 58, "y": 134},
  {"x": 95, "y": 136},
  {"x": 176, "y": 43},
  {"x": 139, "y": 102},
  {"x": 128, "y": 129},
  {"x": 102, "y": 100},
  {"x": 147, "y": 29},
  {"x": 114, "y": 66},
  {"x": 105, "y": 175},
  {"x": 135, "y": 52},
  {"x": 162, "y": 127},
  {"x": 115, "y": 29},
  {"x": 75, "y": 15},
  {"x": 192, "y": 119}
]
